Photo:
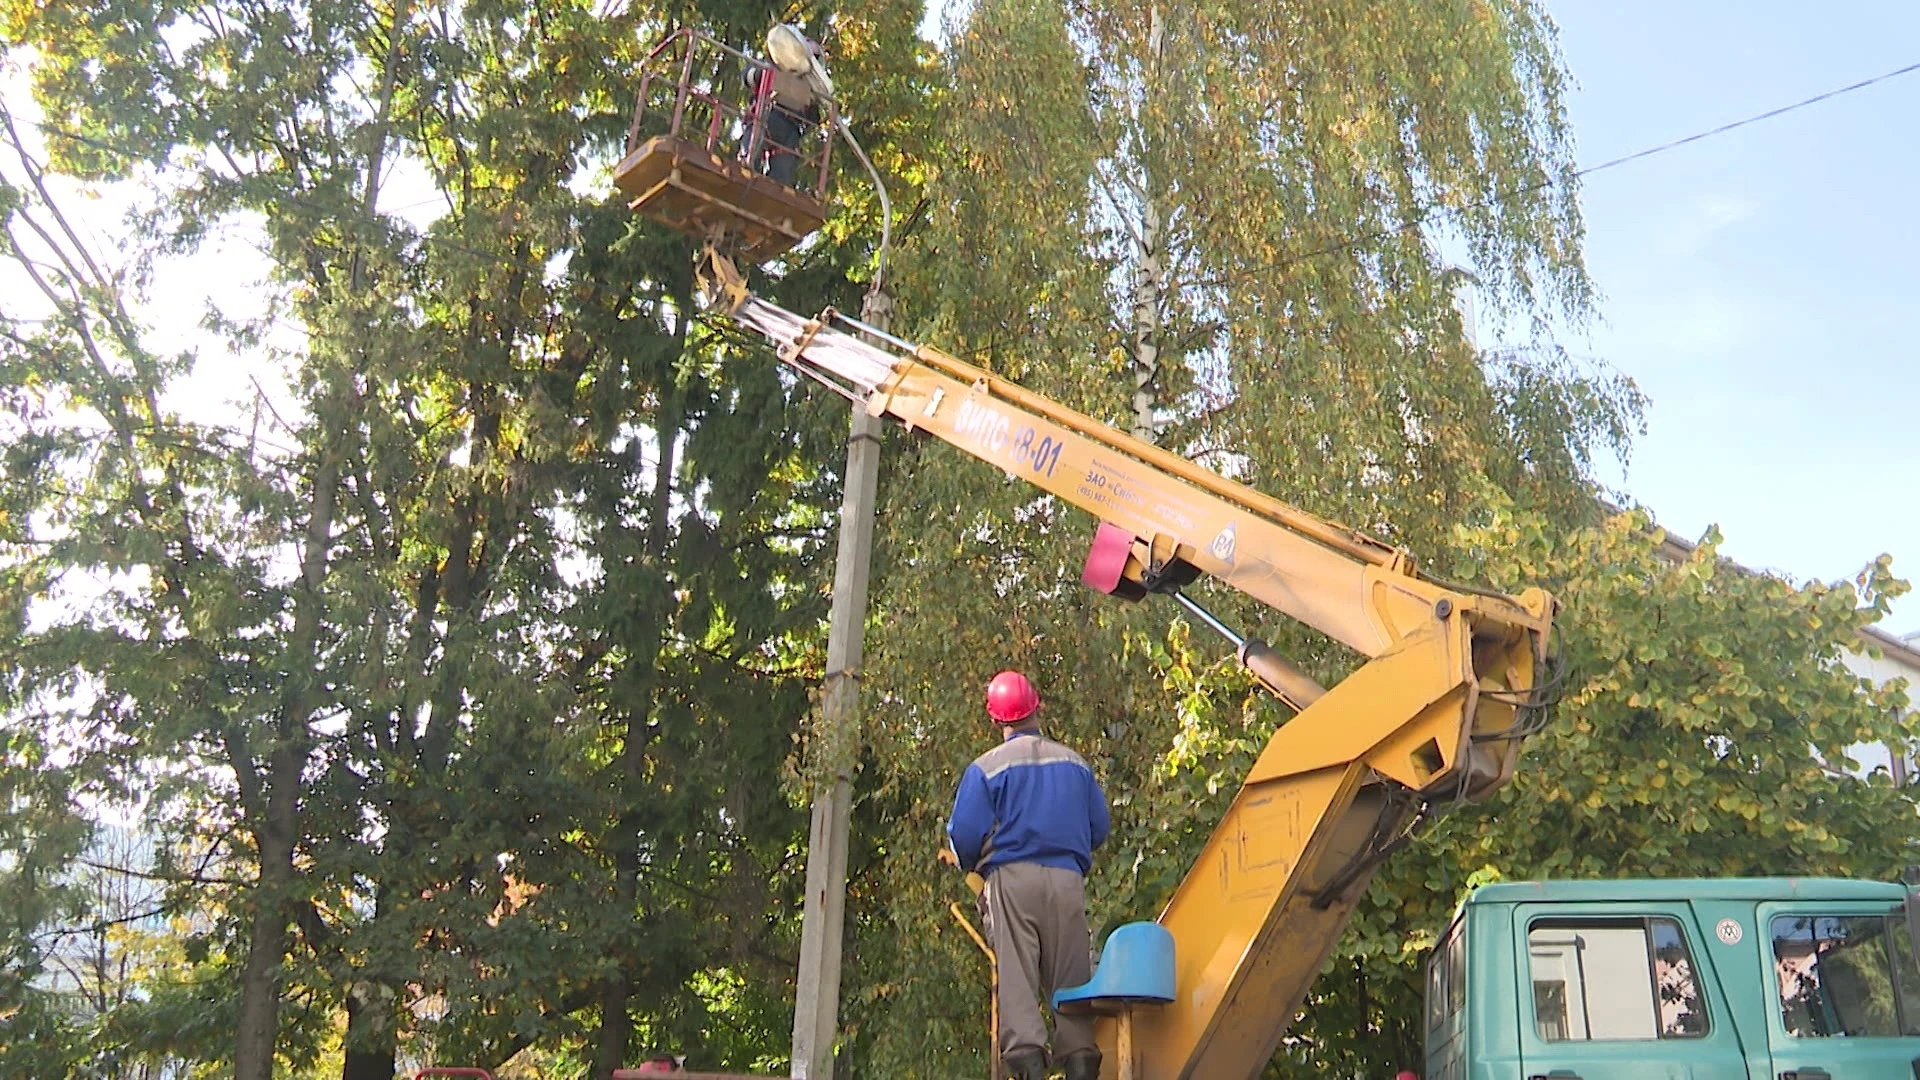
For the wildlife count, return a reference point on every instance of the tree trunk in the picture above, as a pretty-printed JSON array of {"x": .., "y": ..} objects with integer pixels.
[
  {"x": 1149, "y": 282},
  {"x": 269, "y": 938},
  {"x": 1150, "y": 256},
  {"x": 274, "y": 805},
  {"x": 372, "y": 1042},
  {"x": 616, "y": 1027},
  {"x": 371, "y": 1049},
  {"x": 260, "y": 977}
]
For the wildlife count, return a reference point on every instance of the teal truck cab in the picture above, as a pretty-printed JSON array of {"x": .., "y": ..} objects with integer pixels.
[{"x": 1730, "y": 979}]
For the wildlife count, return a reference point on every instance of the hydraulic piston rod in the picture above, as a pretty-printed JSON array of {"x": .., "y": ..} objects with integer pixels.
[{"x": 1275, "y": 672}]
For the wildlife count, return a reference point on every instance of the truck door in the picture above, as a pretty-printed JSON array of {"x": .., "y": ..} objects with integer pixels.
[
  {"x": 1844, "y": 992},
  {"x": 1619, "y": 992}
]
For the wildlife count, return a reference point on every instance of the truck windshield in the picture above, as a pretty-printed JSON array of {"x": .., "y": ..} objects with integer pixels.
[{"x": 1845, "y": 975}]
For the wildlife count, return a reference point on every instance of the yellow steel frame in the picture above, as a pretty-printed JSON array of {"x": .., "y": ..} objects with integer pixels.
[{"x": 1431, "y": 718}]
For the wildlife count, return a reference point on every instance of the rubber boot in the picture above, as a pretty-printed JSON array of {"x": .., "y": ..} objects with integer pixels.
[
  {"x": 1026, "y": 1065},
  {"x": 1083, "y": 1065}
]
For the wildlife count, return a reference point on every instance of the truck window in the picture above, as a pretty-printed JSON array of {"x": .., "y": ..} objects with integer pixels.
[
  {"x": 1599, "y": 979},
  {"x": 1447, "y": 977},
  {"x": 1845, "y": 975},
  {"x": 1457, "y": 968},
  {"x": 1437, "y": 988}
]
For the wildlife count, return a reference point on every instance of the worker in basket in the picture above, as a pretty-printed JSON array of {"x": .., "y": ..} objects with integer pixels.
[
  {"x": 1027, "y": 817},
  {"x": 788, "y": 106}
]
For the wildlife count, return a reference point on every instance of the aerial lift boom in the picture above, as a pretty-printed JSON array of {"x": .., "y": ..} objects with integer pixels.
[{"x": 1452, "y": 686}]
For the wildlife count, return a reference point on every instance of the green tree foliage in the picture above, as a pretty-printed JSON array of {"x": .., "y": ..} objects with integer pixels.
[
  {"x": 1704, "y": 730},
  {"x": 476, "y": 662},
  {"x": 1707, "y": 716}
]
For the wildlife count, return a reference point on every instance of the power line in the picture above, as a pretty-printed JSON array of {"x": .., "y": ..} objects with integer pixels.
[
  {"x": 1423, "y": 216},
  {"x": 1754, "y": 119}
]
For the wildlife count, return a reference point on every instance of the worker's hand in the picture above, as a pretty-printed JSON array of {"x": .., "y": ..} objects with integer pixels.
[{"x": 947, "y": 856}]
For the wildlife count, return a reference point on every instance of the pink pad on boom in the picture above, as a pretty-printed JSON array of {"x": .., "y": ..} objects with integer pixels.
[{"x": 1107, "y": 558}]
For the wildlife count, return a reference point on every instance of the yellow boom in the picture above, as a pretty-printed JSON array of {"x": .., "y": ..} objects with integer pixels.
[{"x": 1435, "y": 716}]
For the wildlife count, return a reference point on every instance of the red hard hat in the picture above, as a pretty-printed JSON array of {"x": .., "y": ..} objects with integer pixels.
[{"x": 1010, "y": 698}]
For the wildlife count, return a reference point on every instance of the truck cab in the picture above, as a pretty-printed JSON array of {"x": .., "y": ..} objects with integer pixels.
[{"x": 1729, "y": 979}]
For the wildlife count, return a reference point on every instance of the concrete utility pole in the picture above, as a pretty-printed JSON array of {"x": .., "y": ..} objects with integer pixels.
[{"x": 816, "y": 1003}]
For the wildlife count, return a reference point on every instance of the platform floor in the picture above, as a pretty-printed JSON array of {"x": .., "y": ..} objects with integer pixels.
[{"x": 685, "y": 186}]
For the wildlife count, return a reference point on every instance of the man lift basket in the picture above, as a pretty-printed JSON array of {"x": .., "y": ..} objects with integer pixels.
[{"x": 700, "y": 130}]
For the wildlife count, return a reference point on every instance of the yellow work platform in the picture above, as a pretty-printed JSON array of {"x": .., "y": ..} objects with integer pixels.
[{"x": 685, "y": 186}]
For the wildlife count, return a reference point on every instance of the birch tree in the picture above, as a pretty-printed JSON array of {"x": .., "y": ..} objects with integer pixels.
[{"x": 1233, "y": 229}]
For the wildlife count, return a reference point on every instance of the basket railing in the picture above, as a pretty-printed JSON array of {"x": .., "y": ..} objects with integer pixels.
[{"x": 698, "y": 89}]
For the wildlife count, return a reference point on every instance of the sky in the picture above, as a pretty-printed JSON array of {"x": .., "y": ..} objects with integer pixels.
[{"x": 1760, "y": 286}]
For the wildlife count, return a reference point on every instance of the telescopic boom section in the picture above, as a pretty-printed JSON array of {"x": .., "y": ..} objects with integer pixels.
[{"x": 1435, "y": 717}]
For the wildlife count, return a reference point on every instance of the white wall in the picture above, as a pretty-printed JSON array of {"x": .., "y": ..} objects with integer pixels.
[{"x": 1899, "y": 659}]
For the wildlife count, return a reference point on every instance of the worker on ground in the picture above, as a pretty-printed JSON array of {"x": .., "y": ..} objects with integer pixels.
[
  {"x": 1027, "y": 817},
  {"x": 789, "y": 108}
]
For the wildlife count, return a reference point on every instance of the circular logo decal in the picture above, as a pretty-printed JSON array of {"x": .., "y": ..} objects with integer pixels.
[
  {"x": 1728, "y": 931},
  {"x": 1223, "y": 544}
]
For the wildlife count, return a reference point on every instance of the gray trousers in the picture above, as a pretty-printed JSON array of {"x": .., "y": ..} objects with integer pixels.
[{"x": 1037, "y": 921}]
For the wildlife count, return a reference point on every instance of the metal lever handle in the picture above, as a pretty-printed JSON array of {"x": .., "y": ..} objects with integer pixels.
[{"x": 1810, "y": 1072}]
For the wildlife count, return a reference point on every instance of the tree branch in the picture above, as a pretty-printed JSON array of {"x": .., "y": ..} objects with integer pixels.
[{"x": 194, "y": 879}]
